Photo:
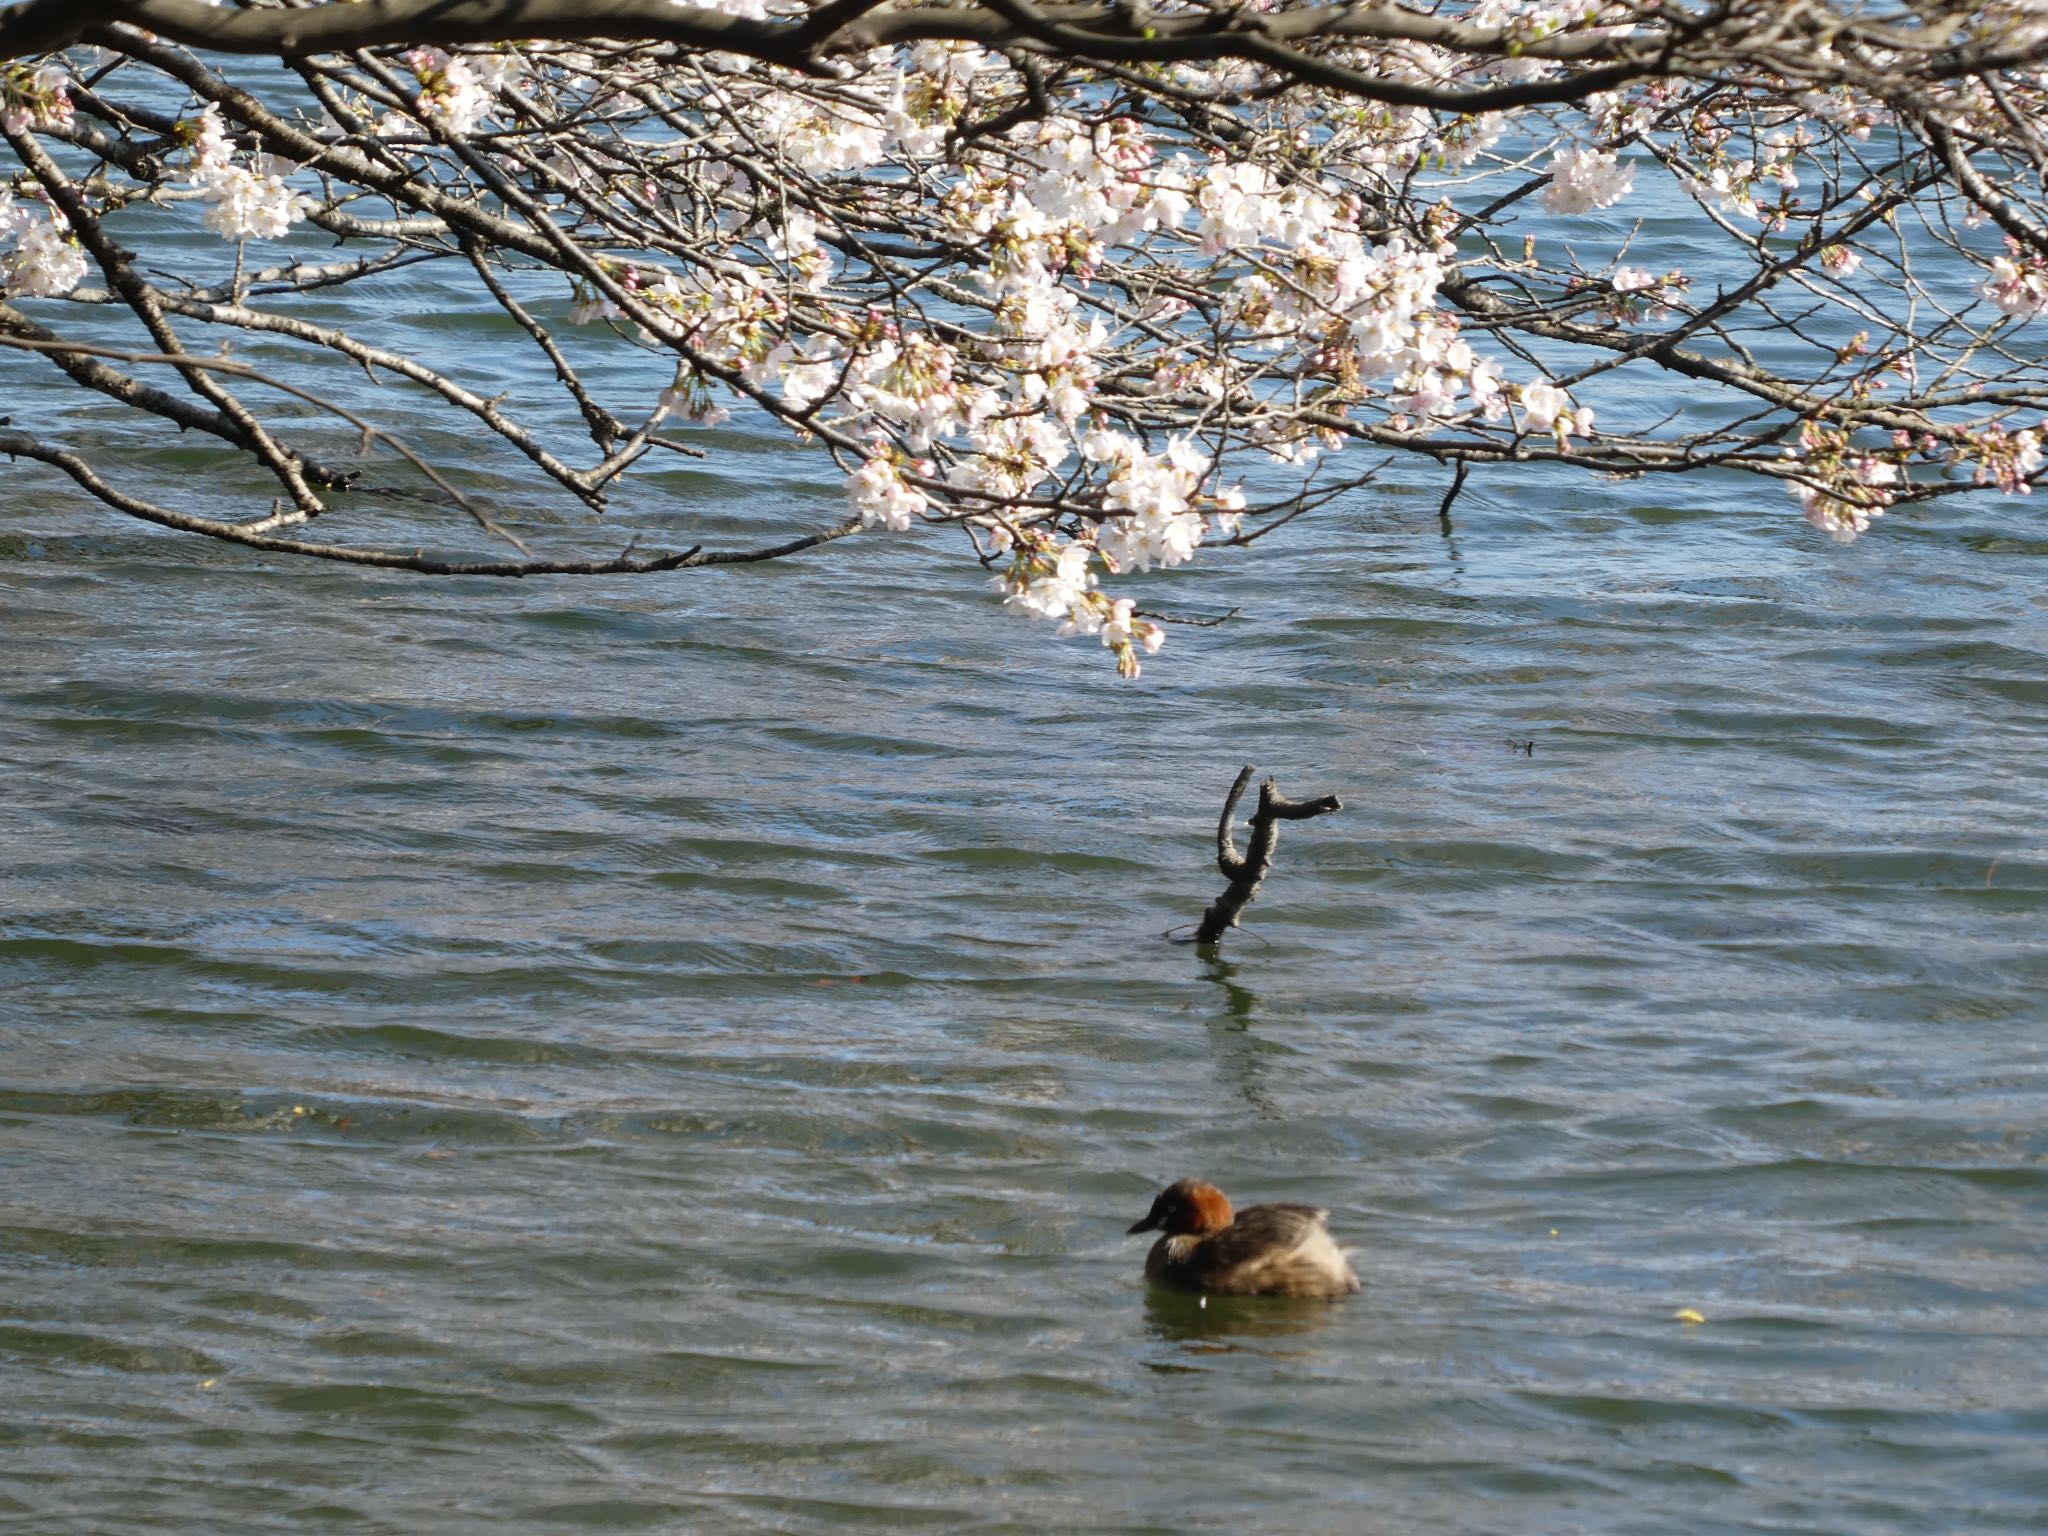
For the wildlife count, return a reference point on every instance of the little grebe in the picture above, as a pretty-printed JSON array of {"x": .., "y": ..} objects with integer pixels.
[{"x": 1262, "y": 1250}]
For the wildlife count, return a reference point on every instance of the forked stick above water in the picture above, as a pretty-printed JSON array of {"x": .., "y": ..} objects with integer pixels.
[{"x": 1248, "y": 870}]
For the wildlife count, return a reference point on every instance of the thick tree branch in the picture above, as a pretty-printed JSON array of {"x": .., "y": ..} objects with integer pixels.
[
  {"x": 1113, "y": 34},
  {"x": 1247, "y": 871}
]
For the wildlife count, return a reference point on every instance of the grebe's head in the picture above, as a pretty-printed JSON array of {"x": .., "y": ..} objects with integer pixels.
[{"x": 1189, "y": 1208}]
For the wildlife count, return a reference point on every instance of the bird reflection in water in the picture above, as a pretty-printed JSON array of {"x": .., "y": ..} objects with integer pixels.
[{"x": 1221, "y": 1325}]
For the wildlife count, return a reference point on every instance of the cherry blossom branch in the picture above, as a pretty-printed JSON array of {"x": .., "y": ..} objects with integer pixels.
[{"x": 1103, "y": 286}]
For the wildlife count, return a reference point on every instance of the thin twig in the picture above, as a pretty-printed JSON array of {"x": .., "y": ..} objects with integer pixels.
[
  {"x": 240, "y": 370},
  {"x": 1443, "y": 512}
]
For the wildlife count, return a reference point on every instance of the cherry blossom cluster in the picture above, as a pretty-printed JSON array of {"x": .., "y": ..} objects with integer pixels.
[
  {"x": 1056, "y": 581},
  {"x": 1302, "y": 279},
  {"x": 1838, "y": 486},
  {"x": 44, "y": 260},
  {"x": 37, "y": 96},
  {"x": 2008, "y": 460},
  {"x": 2018, "y": 284},
  {"x": 456, "y": 91},
  {"x": 1584, "y": 180},
  {"x": 39, "y": 255},
  {"x": 1632, "y": 295},
  {"x": 1005, "y": 406},
  {"x": 249, "y": 201}
]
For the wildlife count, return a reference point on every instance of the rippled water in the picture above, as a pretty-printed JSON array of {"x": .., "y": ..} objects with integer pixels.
[{"x": 682, "y": 1054}]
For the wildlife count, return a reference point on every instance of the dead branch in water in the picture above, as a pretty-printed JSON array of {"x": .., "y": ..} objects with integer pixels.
[{"x": 1247, "y": 871}]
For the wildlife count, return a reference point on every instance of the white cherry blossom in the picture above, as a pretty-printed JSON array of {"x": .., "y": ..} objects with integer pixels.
[
  {"x": 1583, "y": 180},
  {"x": 46, "y": 261}
]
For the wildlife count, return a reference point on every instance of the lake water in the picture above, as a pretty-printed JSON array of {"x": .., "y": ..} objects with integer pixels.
[{"x": 681, "y": 1053}]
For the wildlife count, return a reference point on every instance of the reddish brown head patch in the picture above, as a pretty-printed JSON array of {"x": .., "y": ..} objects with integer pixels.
[
  {"x": 1189, "y": 1208},
  {"x": 1207, "y": 1209}
]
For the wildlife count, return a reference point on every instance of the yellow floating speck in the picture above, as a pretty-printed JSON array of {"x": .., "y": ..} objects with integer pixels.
[
  {"x": 204, "y": 1385},
  {"x": 1553, "y": 1231},
  {"x": 298, "y": 1109},
  {"x": 1688, "y": 1315}
]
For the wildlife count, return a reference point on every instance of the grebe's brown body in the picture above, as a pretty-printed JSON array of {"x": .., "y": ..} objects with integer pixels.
[{"x": 1263, "y": 1250}]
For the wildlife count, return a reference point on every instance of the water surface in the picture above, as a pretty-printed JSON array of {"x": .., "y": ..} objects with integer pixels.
[{"x": 680, "y": 1054}]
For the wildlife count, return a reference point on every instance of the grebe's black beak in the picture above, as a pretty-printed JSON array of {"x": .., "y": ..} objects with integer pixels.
[{"x": 1149, "y": 1224}]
